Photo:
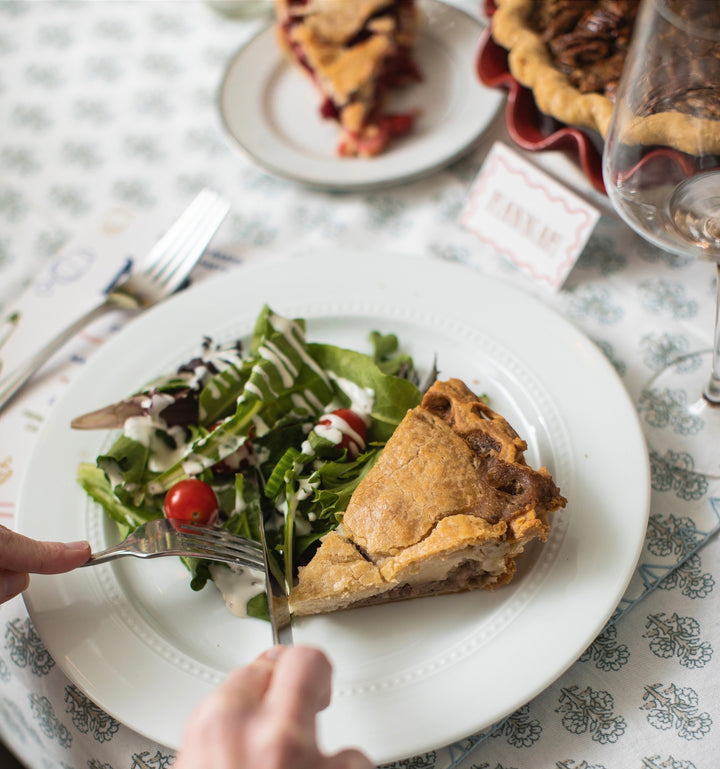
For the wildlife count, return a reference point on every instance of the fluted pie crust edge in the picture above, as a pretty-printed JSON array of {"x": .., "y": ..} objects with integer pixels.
[{"x": 531, "y": 65}]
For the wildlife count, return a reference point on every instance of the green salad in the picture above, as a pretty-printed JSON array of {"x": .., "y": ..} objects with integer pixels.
[{"x": 285, "y": 430}]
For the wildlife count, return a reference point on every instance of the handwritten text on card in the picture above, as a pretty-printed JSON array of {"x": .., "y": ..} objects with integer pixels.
[{"x": 525, "y": 215}]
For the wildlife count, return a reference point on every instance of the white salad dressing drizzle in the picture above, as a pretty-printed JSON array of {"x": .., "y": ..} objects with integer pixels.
[
  {"x": 221, "y": 359},
  {"x": 200, "y": 374},
  {"x": 237, "y": 585},
  {"x": 264, "y": 374},
  {"x": 230, "y": 357},
  {"x": 161, "y": 456},
  {"x": 306, "y": 489},
  {"x": 156, "y": 403},
  {"x": 143, "y": 429},
  {"x": 306, "y": 401},
  {"x": 337, "y": 428},
  {"x": 288, "y": 373},
  {"x": 241, "y": 455},
  {"x": 262, "y": 454},
  {"x": 287, "y": 327},
  {"x": 194, "y": 464},
  {"x": 115, "y": 477},
  {"x": 362, "y": 399},
  {"x": 260, "y": 426},
  {"x": 213, "y": 387},
  {"x": 313, "y": 400}
]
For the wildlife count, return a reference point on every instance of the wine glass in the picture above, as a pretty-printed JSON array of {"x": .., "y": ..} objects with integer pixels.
[{"x": 661, "y": 167}]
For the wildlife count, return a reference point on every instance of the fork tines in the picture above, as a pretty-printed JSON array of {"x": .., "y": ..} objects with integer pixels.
[
  {"x": 204, "y": 539},
  {"x": 189, "y": 234}
]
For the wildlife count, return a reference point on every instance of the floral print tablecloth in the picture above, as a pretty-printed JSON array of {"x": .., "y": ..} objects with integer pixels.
[{"x": 110, "y": 106}]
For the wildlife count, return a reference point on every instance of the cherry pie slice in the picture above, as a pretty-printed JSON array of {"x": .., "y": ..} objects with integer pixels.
[{"x": 354, "y": 51}]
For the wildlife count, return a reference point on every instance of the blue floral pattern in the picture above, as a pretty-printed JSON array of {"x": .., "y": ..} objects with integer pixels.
[
  {"x": 87, "y": 717},
  {"x": 676, "y": 707},
  {"x": 586, "y": 711},
  {"x": 678, "y": 637},
  {"x": 606, "y": 653},
  {"x": 26, "y": 648}
]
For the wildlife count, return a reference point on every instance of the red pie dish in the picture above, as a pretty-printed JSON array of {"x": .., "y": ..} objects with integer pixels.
[{"x": 529, "y": 128}]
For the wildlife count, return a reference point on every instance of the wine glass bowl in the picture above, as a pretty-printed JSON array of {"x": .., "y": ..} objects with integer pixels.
[
  {"x": 661, "y": 162},
  {"x": 661, "y": 168},
  {"x": 694, "y": 208}
]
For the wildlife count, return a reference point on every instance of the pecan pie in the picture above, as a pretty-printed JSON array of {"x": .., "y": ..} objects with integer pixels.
[
  {"x": 354, "y": 51},
  {"x": 447, "y": 508},
  {"x": 569, "y": 52}
]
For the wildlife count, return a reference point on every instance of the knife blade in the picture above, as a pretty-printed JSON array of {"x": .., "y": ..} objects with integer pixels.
[{"x": 277, "y": 597}]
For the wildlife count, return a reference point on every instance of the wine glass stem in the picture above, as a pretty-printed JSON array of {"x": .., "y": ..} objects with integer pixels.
[{"x": 712, "y": 388}]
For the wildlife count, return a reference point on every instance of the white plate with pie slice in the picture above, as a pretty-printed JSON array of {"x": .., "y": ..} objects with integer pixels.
[
  {"x": 411, "y": 676},
  {"x": 270, "y": 110}
]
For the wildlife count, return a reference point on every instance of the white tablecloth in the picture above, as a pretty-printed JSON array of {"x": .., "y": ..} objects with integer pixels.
[{"x": 110, "y": 106}]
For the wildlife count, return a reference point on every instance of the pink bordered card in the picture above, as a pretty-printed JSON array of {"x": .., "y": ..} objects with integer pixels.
[{"x": 528, "y": 217}]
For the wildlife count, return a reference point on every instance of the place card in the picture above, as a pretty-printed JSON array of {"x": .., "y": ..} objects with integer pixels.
[{"x": 528, "y": 217}]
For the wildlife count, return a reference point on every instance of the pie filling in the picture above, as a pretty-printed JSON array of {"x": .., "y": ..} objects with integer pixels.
[
  {"x": 354, "y": 63},
  {"x": 587, "y": 39},
  {"x": 465, "y": 575}
]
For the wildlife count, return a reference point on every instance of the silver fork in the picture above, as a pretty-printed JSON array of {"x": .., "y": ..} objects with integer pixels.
[
  {"x": 161, "y": 537},
  {"x": 161, "y": 273}
]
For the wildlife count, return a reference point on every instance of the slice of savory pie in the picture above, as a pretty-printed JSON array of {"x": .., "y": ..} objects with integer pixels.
[
  {"x": 353, "y": 51},
  {"x": 448, "y": 507}
]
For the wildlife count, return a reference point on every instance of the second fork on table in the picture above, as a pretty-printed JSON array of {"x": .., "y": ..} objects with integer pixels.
[{"x": 160, "y": 274}]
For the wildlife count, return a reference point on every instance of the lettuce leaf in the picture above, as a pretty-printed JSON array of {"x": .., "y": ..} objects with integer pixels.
[
  {"x": 97, "y": 486},
  {"x": 393, "y": 396}
]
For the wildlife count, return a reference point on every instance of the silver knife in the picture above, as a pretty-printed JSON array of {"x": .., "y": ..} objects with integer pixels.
[{"x": 277, "y": 597}]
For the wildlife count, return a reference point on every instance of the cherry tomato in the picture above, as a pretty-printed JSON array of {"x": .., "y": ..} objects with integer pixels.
[
  {"x": 352, "y": 427},
  {"x": 191, "y": 501}
]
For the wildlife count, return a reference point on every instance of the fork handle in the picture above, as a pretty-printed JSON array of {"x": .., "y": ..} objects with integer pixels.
[
  {"x": 120, "y": 551},
  {"x": 13, "y": 382},
  {"x": 108, "y": 555}
]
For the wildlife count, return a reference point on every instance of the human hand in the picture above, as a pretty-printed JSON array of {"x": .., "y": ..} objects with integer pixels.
[
  {"x": 263, "y": 717},
  {"x": 21, "y": 556}
]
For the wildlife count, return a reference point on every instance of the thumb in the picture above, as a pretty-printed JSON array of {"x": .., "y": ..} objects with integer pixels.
[{"x": 23, "y": 554}]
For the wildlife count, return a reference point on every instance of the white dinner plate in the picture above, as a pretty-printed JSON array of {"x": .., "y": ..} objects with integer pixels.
[
  {"x": 411, "y": 676},
  {"x": 271, "y": 110}
]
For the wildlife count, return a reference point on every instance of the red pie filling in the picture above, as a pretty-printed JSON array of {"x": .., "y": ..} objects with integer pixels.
[{"x": 398, "y": 70}]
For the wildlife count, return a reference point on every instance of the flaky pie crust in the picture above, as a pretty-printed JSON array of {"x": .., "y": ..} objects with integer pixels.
[{"x": 532, "y": 66}]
